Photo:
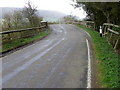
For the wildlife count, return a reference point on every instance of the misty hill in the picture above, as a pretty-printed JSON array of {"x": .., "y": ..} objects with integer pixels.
[
  {"x": 50, "y": 15},
  {"x": 46, "y": 14}
]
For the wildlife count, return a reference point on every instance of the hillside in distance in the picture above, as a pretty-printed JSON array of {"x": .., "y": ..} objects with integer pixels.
[{"x": 50, "y": 16}]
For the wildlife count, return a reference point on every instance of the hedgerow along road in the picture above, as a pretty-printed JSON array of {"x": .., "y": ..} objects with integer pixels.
[{"x": 61, "y": 60}]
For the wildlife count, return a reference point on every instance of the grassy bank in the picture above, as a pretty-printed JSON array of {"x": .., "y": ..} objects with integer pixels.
[
  {"x": 107, "y": 61},
  {"x": 23, "y": 41}
]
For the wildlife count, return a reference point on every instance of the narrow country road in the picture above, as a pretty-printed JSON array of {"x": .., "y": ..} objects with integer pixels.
[{"x": 58, "y": 61}]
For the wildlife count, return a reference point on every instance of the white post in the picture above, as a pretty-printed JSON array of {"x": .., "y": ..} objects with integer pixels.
[{"x": 100, "y": 31}]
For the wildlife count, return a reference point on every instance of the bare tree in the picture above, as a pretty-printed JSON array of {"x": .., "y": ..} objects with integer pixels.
[
  {"x": 17, "y": 19},
  {"x": 7, "y": 24},
  {"x": 22, "y": 19},
  {"x": 29, "y": 12}
]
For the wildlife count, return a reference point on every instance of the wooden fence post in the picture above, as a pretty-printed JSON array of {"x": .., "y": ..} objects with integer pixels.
[
  {"x": 21, "y": 34},
  {"x": 116, "y": 43},
  {"x": 9, "y": 36}
]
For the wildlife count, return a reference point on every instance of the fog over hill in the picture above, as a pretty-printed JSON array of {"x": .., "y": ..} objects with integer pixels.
[
  {"x": 46, "y": 14},
  {"x": 50, "y": 15}
]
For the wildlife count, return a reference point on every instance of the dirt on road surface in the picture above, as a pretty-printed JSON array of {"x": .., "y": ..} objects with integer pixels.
[{"x": 58, "y": 61}]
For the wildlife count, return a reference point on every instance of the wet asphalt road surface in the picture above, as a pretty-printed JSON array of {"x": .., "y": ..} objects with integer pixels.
[{"x": 57, "y": 61}]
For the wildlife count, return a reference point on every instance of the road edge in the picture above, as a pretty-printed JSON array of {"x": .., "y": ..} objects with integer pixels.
[{"x": 94, "y": 83}]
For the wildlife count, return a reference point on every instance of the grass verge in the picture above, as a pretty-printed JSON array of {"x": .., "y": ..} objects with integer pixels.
[
  {"x": 107, "y": 61},
  {"x": 23, "y": 41}
]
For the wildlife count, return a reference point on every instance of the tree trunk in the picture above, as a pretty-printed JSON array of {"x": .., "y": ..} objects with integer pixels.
[{"x": 108, "y": 18}]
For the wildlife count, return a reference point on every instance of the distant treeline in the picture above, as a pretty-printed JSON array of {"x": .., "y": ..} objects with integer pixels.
[{"x": 24, "y": 18}]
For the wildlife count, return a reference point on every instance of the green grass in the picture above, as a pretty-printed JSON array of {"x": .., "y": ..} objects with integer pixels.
[
  {"x": 116, "y": 29},
  {"x": 107, "y": 61},
  {"x": 20, "y": 42}
]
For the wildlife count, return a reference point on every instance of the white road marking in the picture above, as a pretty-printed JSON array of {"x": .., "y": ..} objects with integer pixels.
[
  {"x": 63, "y": 29},
  {"x": 87, "y": 34},
  {"x": 89, "y": 67}
]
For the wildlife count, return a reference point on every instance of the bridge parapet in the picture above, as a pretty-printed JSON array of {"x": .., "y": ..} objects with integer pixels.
[
  {"x": 12, "y": 35},
  {"x": 89, "y": 24}
]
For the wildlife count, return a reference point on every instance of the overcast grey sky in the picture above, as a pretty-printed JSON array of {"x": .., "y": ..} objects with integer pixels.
[{"x": 55, "y": 5}]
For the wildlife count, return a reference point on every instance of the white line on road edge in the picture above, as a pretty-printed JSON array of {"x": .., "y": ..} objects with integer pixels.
[
  {"x": 89, "y": 67},
  {"x": 88, "y": 34}
]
